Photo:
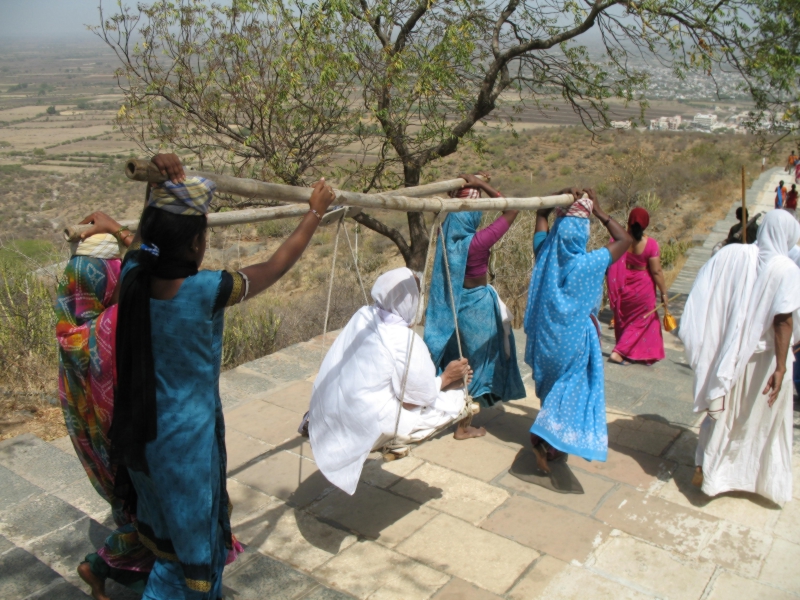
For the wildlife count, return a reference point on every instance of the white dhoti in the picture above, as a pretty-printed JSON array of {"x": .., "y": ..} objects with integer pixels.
[
  {"x": 748, "y": 446},
  {"x": 421, "y": 422}
]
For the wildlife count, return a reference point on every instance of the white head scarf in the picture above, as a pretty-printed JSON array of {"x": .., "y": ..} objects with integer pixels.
[
  {"x": 396, "y": 296},
  {"x": 777, "y": 235},
  {"x": 737, "y": 294}
]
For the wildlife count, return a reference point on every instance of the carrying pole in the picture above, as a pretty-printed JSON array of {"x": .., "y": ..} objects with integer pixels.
[{"x": 744, "y": 210}]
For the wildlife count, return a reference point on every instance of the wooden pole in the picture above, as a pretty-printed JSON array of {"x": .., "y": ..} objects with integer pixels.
[{"x": 744, "y": 210}]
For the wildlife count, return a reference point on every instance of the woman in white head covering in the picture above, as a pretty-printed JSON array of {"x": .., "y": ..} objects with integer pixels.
[
  {"x": 737, "y": 327},
  {"x": 356, "y": 397}
]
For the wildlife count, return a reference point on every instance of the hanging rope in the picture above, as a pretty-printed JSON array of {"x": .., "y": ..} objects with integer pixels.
[
  {"x": 330, "y": 286},
  {"x": 355, "y": 264}
]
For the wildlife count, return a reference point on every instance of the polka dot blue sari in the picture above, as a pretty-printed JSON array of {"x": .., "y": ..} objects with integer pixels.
[{"x": 563, "y": 348}]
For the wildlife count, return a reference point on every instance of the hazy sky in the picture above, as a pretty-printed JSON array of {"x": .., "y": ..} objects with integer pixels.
[{"x": 51, "y": 18}]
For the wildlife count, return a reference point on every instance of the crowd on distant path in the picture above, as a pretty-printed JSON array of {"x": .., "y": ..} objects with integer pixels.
[{"x": 141, "y": 340}]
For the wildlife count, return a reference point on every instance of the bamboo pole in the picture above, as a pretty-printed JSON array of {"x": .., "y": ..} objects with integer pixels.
[
  {"x": 404, "y": 199},
  {"x": 744, "y": 210}
]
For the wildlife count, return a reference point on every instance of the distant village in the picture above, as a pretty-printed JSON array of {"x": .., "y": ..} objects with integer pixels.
[{"x": 730, "y": 122}]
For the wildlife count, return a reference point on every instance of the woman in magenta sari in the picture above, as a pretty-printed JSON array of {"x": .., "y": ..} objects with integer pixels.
[{"x": 632, "y": 284}]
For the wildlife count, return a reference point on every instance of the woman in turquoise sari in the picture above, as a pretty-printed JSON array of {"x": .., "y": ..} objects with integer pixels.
[
  {"x": 168, "y": 431},
  {"x": 487, "y": 340},
  {"x": 563, "y": 345}
]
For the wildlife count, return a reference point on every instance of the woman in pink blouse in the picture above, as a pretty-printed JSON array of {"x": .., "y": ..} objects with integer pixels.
[
  {"x": 632, "y": 283},
  {"x": 484, "y": 322}
]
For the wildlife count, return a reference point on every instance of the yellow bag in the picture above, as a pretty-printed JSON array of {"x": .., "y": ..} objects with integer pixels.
[{"x": 669, "y": 322}]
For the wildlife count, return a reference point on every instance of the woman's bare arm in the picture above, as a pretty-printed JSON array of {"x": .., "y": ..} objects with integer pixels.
[
  {"x": 263, "y": 275},
  {"x": 474, "y": 182},
  {"x": 622, "y": 239},
  {"x": 654, "y": 264},
  {"x": 782, "y": 326}
]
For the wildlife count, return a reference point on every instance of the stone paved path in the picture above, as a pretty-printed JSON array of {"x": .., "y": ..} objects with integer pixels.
[{"x": 448, "y": 522}]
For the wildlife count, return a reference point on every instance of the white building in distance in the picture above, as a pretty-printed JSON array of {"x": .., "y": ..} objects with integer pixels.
[
  {"x": 621, "y": 124},
  {"x": 704, "y": 121},
  {"x": 666, "y": 123}
]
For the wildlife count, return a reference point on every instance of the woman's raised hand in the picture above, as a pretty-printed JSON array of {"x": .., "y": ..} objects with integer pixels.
[
  {"x": 170, "y": 166},
  {"x": 321, "y": 197},
  {"x": 100, "y": 223}
]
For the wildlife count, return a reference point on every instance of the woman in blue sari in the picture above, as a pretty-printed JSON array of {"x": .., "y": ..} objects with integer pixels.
[
  {"x": 487, "y": 340},
  {"x": 168, "y": 431},
  {"x": 563, "y": 346}
]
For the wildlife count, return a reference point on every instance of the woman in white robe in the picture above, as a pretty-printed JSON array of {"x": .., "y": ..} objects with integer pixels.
[
  {"x": 737, "y": 327},
  {"x": 356, "y": 396}
]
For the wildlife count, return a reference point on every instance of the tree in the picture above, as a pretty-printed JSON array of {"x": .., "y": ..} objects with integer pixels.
[
  {"x": 51, "y": 110},
  {"x": 239, "y": 86},
  {"x": 770, "y": 62},
  {"x": 407, "y": 79}
]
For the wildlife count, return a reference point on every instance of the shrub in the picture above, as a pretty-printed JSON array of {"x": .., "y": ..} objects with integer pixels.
[
  {"x": 551, "y": 157},
  {"x": 51, "y": 110},
  {"x": 565, "y": 170},
  {"x": 671, "y": 252},
  {"x": 39, "y": 152},
  {"x": 251, "y": 330}
]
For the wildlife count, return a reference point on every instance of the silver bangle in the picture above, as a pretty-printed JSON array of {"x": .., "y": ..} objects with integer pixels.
[{"x": 246, "y": 285}]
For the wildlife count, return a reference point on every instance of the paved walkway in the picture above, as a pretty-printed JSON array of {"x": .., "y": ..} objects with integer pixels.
[{"x": 448, "y": 522}]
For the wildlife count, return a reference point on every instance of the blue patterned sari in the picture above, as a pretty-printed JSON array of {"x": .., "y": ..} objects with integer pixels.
[
  {"x": 563, "y": 348},
  {"x": 182, "y": 511},
  {"x": 496, "y": 377}
]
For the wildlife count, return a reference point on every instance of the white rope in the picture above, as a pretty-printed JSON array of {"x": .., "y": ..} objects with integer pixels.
[
  {"x": 330, "y": 286},
  {"x": 355, "y": 264}
]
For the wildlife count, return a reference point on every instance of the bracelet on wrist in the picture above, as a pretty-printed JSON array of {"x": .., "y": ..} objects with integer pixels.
[
  {"x": 315, "y": 213},
  {"x": 118, "y": 233}
]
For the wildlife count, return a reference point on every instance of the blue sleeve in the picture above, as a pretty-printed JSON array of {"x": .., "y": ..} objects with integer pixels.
[{"x": 538, "y": 239}]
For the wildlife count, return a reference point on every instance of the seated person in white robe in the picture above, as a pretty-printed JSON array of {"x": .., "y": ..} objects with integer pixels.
[
  {"x": 737, "y": 327},
  {"x": 356, "y": 397}
]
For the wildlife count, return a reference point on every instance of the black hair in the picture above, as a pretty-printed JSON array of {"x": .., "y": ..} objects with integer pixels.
[
  {"x": 739, "y": 214},
  {"x": 168, "y": 238},
  {"x": 637, "y": 231}
]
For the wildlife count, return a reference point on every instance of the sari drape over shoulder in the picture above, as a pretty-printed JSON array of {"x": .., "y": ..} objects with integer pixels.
[
  {"x": 85, "y": 329},
  {"x": 496, "y": 375},
  {"x": 632, "y": 295},
  {"x": 563, "y": 348}
]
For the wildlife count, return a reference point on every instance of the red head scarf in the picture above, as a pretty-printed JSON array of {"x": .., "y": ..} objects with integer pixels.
[{"x": 640, "y": 216}]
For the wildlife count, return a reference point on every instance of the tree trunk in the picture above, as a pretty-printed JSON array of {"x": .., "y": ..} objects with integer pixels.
[{"x": 418, "y": 246}]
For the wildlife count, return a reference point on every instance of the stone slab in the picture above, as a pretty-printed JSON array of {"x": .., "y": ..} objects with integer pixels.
[
  {"x": 375, "y": 513},
  {"x": 729, "y": 585},
  {"x": 82, "y": 495},
  {"x": 37, "y": 517},
  {"x": 242, "y": 448},
  {"x": 543, "y": 528},
  {"x": 292, "y": 535},
  {"x": 662, "y": 523},
  {"x": 263, "y": 577},
  {"x": 476, "y": 457},
  {"x": 637, "y": 469},
  {"x": 369, "y": 570},
  {"x": 323, "y": 593},
  {"x": 24, "y": 574},
  {"x": 594, "y": 489},
  {"x": 39, "y": 462},
  {"x": 379, "y": 473},
  {"x": 788, "y": 524},
  {"x": 738, "y": 548},
  {"x": 510, "y": 429},
  {"x": 64, "y": 549},
  {"x": 683, "y": 449},
  {"x": 246, "y": 500},
  {"x": 286, "y": 476},
  {"x": 534, "y": 582},
  {"x": 14, "y": 489},
  {"x": 456, "y": 494},
  {"x": 458, "y": 589},
  {"x": 479, "y": 557},
  {"x": 243, "y": 383},
  {"x": 780, "y": 567},
  {"x": 652, "y": 569},
  {"x": 283, "y": 367},
  {"x": 64, "y": 444},
  {"x": 295, "y": 397},
  {"x": 551, "y": 579},
  {"x": 63, "y": 591},
  {"x": 749, "y": 510},
  {"x": 264, "y": 421}
]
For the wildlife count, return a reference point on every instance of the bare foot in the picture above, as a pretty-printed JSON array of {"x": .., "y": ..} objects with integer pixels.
[
  {"x": 465, "y": 433},
  {"x": 98, "y": 585},
  {"x": 541, "y": 458},
  {"x": 616, "y": 358},
  {"x": 697, "y": 478}
]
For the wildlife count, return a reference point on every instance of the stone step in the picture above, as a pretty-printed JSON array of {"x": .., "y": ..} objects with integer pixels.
[{"x": 51, "y": 518}]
